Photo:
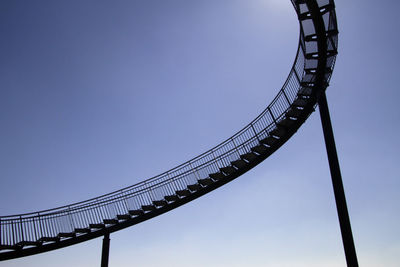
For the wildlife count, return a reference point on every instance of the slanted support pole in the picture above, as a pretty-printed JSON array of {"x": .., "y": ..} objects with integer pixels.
[
  {"x": 105, "y": 250},
  {"x": 341, "y": 206}
]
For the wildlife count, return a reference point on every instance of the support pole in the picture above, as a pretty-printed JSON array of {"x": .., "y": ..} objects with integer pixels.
[
  {"x": 105, "y": 250},
  {"x": 341, "y": 206}
]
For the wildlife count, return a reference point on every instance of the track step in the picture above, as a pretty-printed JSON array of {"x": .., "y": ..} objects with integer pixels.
[
  {"x": 310, "y": 70},
  {"x": 136, "y": 212},
  {"x": 269, "y": 141},
  {"x": 304, "y": 16},
  {"x": 123, "y": 217},
  {"x": 228, "y": 170},
  {"x": 110, "y": 221},
  {"x": 216, "y": 176},
  {"x": 316, "y": 55},
  {"x": 148, "y": 207},
  {"x": 286, "y": 122},
  {"x": 171, "y": 198},
  {"x": 314, "y": 70},
  {"x": 278, "y": 131},
  {"x": 307, "y": 84},
  {"x": 294, "y": 112},
  {"x": 159, "y": 203},
  {"x": 239, "y": 163},
  {"x": 205, "y": 182},
  {"x": 183, "y": 193},
  {"x": 305, "y": 92},
  {"x": 249, "y": 156},
  {"x": 97, "y": 225},
  {"x": 13, "y": 247},
  {"x": 49, "y": 239},
  {"x": 313, "y": 55},
  {"x": 194, "y": 187},
  {"x": 313, "y": 37},
  {"x": 309, "y": 78},
  {"x": 67, "y": 234},
  {"x": 260, "y": 149},
  {"x": 322, "y": 9},
  {"x": 82, "y": 230},
  {"x": 29, "y": 243},
  {"x": 300, "y": 102}
]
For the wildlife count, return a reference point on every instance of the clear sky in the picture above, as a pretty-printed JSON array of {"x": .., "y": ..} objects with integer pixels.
[{"x": 99, "y": 95}]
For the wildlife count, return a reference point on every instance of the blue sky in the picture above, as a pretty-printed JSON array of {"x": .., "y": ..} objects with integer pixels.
[{"x": 96, "y": 96}]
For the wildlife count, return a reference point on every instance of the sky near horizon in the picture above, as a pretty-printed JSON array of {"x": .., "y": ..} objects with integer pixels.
[{"x": 99, "y": 95}]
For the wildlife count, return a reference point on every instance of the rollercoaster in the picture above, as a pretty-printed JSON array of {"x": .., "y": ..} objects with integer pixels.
[{"x": 42, "y": 231}]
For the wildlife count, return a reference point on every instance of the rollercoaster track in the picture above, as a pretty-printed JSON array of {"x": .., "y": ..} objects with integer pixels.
[{"x": 37, "y": 232}]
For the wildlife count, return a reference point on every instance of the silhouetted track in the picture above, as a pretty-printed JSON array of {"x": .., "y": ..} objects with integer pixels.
[{"x": 32, "y": 233}]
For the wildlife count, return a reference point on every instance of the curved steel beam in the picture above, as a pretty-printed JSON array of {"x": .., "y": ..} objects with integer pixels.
[{"x": 32, "y": 233}]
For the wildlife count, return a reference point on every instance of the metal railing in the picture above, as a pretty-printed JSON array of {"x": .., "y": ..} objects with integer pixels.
[{"x": 31, "y": 227}]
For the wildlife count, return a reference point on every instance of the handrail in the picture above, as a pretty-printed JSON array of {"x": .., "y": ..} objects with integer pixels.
[{"x": 280, "y": 93}]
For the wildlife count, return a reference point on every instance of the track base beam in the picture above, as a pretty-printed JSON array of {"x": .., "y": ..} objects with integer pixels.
[
  {"x": 105, "y": 252},
  {"x": 341, "y": 206}
]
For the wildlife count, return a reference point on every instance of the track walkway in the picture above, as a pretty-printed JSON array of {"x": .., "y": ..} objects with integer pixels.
[{"x": 32, "y": 233}]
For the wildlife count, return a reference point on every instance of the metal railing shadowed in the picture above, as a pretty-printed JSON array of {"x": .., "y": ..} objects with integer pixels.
[{"x": 24, "y": 231}]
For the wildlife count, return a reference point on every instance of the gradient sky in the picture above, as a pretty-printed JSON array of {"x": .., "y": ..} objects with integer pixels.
[{"x": 99, "y": 95}]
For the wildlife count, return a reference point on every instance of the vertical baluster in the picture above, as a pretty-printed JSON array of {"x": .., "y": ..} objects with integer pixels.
[
  {"x": 124, "y": 202},
  {"x": 40, "y": 226},
  {"x": 34, "y": 229},
  {"x": 195, "y": 172},
  {"x": 13, "y": 231},
  {"x": 71, "y": 220}
]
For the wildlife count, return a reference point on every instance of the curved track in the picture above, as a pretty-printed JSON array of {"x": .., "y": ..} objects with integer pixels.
[{"x": 32, "y": 233}]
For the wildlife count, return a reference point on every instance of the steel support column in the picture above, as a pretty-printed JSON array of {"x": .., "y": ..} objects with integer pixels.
[
  {"x": 341, "y": 206},
  {"x": 105, "y": 250}
]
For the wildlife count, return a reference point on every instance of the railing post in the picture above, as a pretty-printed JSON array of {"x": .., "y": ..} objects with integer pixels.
[
  {"x": 254, "y": 131},
  {"x": 297, "y": 75},
  {"x": 286, "y": 97},
  {"x": 272, "y": 115}
]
